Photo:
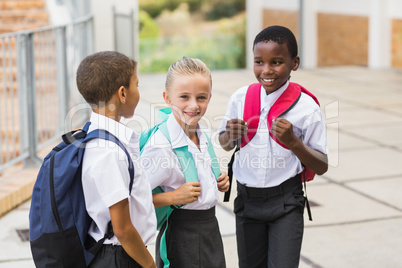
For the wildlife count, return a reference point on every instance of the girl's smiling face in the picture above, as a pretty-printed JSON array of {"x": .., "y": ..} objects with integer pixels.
[
  {"x": 188, "y": 96},
  {"x": 273, "y": 64}
]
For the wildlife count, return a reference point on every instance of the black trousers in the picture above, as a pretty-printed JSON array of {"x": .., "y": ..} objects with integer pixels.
[
  {"x": 193, "y": 240},
  {"x": 110, "y": 256},
  {"x": 269, "y": 225}
]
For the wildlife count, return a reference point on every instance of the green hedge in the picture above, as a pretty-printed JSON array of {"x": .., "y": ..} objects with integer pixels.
[{"x": 218, "y": 52}]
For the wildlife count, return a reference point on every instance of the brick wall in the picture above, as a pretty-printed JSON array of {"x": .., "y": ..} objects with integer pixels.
[
  {"x": 396, "y": 43},
  {"x": 342, "y": 40},
  {"x": 22, "y": 15}
]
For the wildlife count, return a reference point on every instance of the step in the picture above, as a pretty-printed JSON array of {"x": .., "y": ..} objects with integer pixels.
[{"x": 16, "y": 184}]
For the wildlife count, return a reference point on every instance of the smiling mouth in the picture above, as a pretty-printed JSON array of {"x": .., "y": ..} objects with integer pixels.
[
  {"x": 268, "y": 80},
  {"x": 192, "y": 114}
]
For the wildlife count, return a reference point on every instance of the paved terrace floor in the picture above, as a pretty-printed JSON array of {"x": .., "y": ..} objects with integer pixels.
[{"x": 358, "y": 202}]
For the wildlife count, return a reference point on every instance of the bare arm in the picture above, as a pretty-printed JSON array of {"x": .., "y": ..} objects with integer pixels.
[
  {"x": 187, "y": 193},
  {"x": 235, "y": 129},
  {"x": 313, "y": 159},
  {"x": 128, "y": 235}
]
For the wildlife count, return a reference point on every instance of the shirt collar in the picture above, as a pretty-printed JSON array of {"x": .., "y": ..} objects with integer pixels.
[
  {"x": 269, "y": 100},
  {"x": 179, "y": 139},
  {"x": 126, "y": 135}
]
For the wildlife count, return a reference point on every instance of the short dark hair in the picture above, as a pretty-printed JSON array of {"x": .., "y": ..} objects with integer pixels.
[
  {"x": 280, "y": 35},
  {"x": 101, "y": 74}
]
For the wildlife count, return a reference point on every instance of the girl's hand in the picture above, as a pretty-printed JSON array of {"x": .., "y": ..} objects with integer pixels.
[
  {"x": 223, "y": 182},
  {"x": 187, "y": 193}
]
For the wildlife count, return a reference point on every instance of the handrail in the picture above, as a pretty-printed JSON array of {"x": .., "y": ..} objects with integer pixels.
[{"x": 38, "y": 89}]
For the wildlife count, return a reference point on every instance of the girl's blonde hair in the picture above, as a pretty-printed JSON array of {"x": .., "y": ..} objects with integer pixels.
[{"x": 184, "y": 67}]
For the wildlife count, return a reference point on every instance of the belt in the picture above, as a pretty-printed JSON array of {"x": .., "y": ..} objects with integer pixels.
[
  {"x": 195, "y": 215},
  {"x": 282, "y": 188}
]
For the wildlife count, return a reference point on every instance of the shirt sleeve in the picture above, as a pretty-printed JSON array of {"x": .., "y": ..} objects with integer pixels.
[
  {"x": 315, "y": 133},
  {"x": 109, "y": 173},
  {"x": 157, "y": 162}
]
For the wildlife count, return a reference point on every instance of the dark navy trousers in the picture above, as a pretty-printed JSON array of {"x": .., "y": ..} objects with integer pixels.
[{"x": 269, "y": 225}]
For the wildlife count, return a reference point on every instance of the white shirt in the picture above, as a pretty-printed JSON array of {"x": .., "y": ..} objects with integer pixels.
[
  {"x": 105, "y": 180},
  {"x": 163, "y": 167},
  {"x": 263, "y": 162}
]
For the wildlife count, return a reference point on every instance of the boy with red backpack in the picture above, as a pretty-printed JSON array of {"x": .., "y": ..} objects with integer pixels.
[{"x": 280, "y": 131}]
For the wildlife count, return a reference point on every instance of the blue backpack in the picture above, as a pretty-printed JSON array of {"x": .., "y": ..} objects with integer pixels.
[
  {"x": 58, "y": 220},
  {"x": 188, "y": 167}
]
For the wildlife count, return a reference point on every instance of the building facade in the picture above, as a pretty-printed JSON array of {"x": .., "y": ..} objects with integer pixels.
[{"x": 334, "y": 32}]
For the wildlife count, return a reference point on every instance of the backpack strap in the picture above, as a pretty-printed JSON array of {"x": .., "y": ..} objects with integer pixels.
[
  {"x": 286, "y": 101},
  {"x": 252, "y": 110},
  {"x": 185, "y": 157},
  {"x": 214, "y": 160},
  {"x": 187, "y": 164}
]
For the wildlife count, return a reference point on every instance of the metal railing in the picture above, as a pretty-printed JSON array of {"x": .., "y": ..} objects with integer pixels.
[{"x": 38, "y": 94}]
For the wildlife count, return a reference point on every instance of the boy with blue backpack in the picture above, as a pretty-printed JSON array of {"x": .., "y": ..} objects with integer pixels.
[
  {"x": 92, "y": 204},
  {"x": 108, "y": 81},
  {"x": 279, "y": 131},
  {"x": 179, "y": 158}
]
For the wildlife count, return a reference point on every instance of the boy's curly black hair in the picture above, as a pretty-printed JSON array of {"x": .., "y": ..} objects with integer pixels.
[{"x": 280, "y": 35}]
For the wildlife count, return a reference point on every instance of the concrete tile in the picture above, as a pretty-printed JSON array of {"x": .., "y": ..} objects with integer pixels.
[
  {"x": 368, "y": 117},
  {"x": 18, "y": 264},
  {"x": 389, "y": 135},
  {"x": 339, "y": 205},
  {"x": 365, "y": 244},
  {"x": 366, "y": 163},
  {"x": 12, "y": 248},
  {"x": 395, "y": 108},
  {"x": 387, "y": 190},
  {"x": 341, "y": 141}
]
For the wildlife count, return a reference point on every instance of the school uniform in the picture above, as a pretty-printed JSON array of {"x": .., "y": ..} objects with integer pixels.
[
  {"x": 193, "y": 236},
  {"x": 105, "y": 180},
  {"x": 270, "y": 203}
]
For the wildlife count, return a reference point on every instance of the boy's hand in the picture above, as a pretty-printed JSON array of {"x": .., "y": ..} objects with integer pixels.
[
  {"x": 283, "y": 130},
  {"x": 235, "y": 129},
  {"x": 187, "y": 193},
  {"x": 223, "y": 182}
]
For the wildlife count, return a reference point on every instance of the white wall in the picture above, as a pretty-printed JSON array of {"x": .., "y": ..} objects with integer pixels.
[
  {"x": 254, "y": 26},
  {"x": 346, "y": 7},
  {"x": 395, "y": 9},
  {"x": 291, "y": 5},
  {"x": 103, "y": 20},
  {"x": 58, "y": 14}
]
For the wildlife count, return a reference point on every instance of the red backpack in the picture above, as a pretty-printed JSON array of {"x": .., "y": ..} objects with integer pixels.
[{"x": 252, "y": 109}]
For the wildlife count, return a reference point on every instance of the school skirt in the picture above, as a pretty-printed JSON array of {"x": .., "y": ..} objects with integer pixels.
[{"x": 193, "y": 240}]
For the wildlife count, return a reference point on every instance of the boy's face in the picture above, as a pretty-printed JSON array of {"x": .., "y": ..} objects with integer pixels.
[
  {"x": 188, "y": 97},
  {"x": 273, "y": 64},
  {"x": 132, "y": 97}
]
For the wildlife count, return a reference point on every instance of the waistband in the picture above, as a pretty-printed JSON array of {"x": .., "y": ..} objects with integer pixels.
[
  {"x": 282, "y": 188},
  {"x": 193, "y": 215}
]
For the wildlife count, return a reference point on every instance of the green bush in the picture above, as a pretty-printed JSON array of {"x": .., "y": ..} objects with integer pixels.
[
  {"x": 148, "y": 27},
  {"x": 155, "y": 7},
  {"x": 218, "y": 52},
  {"x": 218, "y": 9}
]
